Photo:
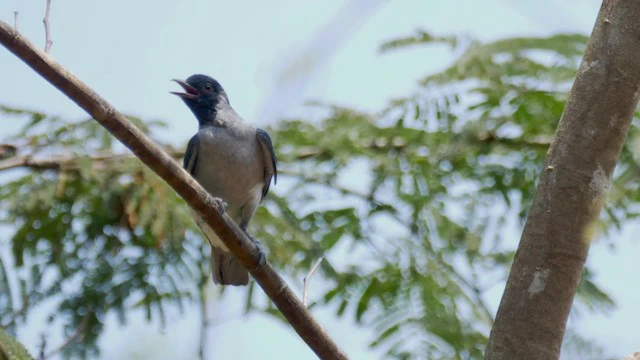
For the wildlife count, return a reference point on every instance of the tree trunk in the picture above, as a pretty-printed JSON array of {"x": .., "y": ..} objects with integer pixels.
[{"x": 547, "y": 267}]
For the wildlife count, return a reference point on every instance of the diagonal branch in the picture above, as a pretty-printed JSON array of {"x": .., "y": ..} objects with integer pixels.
[{"x": 200, "y": 200}]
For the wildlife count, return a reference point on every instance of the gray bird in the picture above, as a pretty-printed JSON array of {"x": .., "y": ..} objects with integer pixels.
[{"x": 233, "y": 160}]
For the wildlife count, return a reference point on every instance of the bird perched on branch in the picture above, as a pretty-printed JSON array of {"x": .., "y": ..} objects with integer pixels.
[{"x": 233, "y": 160}]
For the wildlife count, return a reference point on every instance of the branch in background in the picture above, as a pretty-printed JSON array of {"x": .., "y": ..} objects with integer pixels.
[
  {"x": 8, "y": 159},
  {"x": 15, "y": 20},
  {"x": 398, "y": 144},
  {"x": 70, "y": 162},
  {"x": 77, "y": 335},
  {"x": 47, "y": 28},
  {"x": 489, "y": 137},
  {"x": 247, "y": 253},
  {"x": 305, "y": 281},
  {"x": 43, "y": 345},
  {"x": 380, "y": 143}
]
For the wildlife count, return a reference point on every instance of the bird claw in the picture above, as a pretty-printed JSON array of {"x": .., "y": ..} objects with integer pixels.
[
  {"x": 261, "y": 250},
  {"x": 220, "y": 205}
]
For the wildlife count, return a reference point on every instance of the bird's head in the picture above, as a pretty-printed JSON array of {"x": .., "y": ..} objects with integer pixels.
[{"x": 204, "y": 96}]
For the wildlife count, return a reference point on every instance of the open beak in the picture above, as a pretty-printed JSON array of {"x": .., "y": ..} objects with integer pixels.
[{"x": 189, "y": 91}]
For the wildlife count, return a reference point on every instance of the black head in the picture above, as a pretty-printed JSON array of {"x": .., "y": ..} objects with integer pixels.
[{"x": 204, "y": 96}]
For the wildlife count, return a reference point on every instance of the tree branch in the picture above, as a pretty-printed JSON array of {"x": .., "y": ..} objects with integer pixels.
[
  {"x": 572, "y": 190},
  {"x": 199, "y": 199}
]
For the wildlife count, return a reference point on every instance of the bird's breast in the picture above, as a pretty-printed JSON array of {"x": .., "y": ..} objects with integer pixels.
[{"x": 229, "y": 166}]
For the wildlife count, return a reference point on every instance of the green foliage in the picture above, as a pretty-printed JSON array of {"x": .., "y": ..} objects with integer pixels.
[
  {"x": 10, "y": 349},
  {"x": 415, "y": 209},
  {"x": 110, "y": 233},
  {"x": 440, "y": 174}
]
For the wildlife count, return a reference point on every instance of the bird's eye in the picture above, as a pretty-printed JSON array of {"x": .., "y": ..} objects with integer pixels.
[{"x": 208, "y": 89}]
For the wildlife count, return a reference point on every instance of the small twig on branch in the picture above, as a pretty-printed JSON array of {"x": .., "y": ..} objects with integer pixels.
[
  {"x": 15, "y": 20},
  {"x": 244, "y": 249},
  {"x": 305, "y": 281},
  {"x": 47, "y": 28}
]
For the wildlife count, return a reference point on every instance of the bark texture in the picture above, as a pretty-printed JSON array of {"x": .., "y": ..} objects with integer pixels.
[{"x": 531, "y": 320}]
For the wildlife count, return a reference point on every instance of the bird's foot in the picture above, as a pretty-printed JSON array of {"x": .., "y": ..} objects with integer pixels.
[
  {"x": 261, "y": 250},
  {"x": 220, "y": 205}
]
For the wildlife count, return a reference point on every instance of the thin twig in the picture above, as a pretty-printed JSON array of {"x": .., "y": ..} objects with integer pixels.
[
  {"x": 307, "y": 279},
  {"x": 238, "y": 243},
  {"x": 43, "y": 345},
  {"x": 47, "y": 28},
  {"x": 15, "y": 20},
  {"x": 77, "y": 335}
]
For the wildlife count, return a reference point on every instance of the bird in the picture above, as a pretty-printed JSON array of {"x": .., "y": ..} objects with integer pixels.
[{"x": 233, "y": 160}]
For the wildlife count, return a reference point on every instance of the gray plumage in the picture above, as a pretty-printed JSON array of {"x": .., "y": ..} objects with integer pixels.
[{"x": 233, "y": 160}]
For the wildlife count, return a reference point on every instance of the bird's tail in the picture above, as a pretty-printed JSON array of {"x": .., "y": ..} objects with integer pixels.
[{"x": 226, "y": 269}]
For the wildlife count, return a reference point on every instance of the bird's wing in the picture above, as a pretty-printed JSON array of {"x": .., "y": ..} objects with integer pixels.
[
  {"x": 189, "y": 164},
  {"x": 191, "y": 155},
  {"x": 270, "y": 161}
]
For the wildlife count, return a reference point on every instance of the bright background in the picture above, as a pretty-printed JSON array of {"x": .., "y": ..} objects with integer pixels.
[{"x": 272, "y": 57}]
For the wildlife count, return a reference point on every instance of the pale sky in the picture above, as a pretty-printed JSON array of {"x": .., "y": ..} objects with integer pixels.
[{"x": 271, "y": 57}]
